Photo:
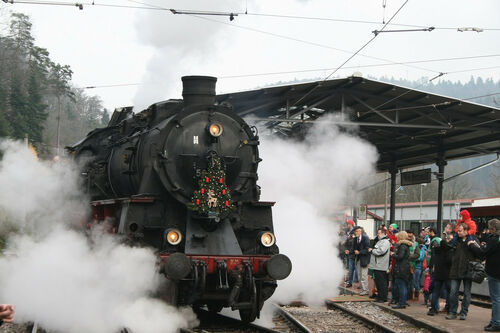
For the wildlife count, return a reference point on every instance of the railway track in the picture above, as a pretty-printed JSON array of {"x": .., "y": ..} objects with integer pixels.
[
  {"x": 383, "y": 318},
  {"x": 359, "y": 317},
  {"x": 217, "y": 323}
]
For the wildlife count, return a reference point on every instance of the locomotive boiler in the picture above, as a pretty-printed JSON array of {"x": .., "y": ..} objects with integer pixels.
[{"x": 181, "y": 176}]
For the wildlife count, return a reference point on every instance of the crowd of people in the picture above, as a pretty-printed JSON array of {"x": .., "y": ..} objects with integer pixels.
[{"x": 433, "y": 264}]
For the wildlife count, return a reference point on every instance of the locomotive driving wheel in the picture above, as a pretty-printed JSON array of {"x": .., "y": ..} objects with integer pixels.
[{"x": 249, "y": 315}]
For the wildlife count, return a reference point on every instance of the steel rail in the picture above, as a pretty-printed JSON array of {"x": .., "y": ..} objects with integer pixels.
[
  {"x": 363, "y": 318},
  {"x": 292, "y": 319}
]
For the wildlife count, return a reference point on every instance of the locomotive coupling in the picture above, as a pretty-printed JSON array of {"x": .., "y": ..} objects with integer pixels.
[
  {"x": 177, "y": 266},
  {"x": 278, "y": 267}
]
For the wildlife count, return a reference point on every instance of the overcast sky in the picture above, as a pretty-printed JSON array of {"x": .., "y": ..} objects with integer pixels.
[{"x": 109, "y": 45}]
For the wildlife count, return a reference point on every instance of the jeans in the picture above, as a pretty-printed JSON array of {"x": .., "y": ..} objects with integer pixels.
[
  {"x": 436, "y": 292},
  {"x": 494, "y": 285},
  {"x": 382, "y": 284},
  {"x": 353, "y": 270},
  {"x": 454, "y": 287},
  {"x": 416, "y": 278},
  {"x": 394, "y": 290},
  {"x": 402, "y": 291},
  {"x": 363, "y": 277}
]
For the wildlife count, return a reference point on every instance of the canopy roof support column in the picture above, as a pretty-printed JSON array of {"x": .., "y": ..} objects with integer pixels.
[
  {"x": 440, "y": 176},
  {"x": 394, "y": 172}
]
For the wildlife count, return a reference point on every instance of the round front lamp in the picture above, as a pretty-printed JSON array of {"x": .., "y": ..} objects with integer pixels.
[
  {"x": 174, "y": 236},
  {"x": 215, "y": 129},
  {"x": 267, "y": 239}
]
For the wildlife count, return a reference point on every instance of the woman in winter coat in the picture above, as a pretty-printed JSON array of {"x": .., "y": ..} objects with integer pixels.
[{"x": 401, "y": 269}]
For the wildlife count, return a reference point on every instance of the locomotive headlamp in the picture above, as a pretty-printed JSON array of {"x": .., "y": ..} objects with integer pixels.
[
  {"x": 174, "y": 236},
  {"x": 215, "y": 129},
  {"x": 267, "y": 239}
]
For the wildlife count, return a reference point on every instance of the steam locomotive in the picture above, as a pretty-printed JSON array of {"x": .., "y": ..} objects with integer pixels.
[{"x": 181, "y": 176}]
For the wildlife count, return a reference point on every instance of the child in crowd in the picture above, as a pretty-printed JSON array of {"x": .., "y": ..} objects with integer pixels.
[{"x": 426, "y": 287}]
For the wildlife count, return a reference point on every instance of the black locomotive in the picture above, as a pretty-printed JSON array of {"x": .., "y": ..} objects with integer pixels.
[{"x": 181, "y": 176}]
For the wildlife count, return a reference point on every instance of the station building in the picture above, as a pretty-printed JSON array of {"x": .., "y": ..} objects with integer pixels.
[{"x": 416, "y": 215}]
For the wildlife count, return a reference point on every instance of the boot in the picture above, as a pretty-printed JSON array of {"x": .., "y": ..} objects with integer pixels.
[
  {"x": 410, "y": 295},
  {"x": 417, "y": 295}
]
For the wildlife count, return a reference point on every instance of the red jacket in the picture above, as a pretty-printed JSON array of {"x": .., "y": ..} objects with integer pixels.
[
  {"x": 392, "y": 237},
  {"x": 467, "y": 220}
]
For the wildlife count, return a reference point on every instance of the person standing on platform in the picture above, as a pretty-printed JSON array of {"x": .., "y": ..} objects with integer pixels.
[
  {"x": 460, "y": 258},
  {"x": 414, "y": 255},
  {"x": 490, "y": 250},
  {"x": 360, "y": 249},
  {"x": 401, "y": 269},
  {"x": 351, "y": 257},
  {"x": 379, "y": 263},
  {"x": 420, "y": 266},
  {"x": 440, "y": 270}
]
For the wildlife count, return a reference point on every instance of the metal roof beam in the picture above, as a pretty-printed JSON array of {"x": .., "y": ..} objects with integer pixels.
[
  {"x": 350, "y": 123},
  {"x": 452, "y": 146},
  {"x": 359, "y": 100},
  {"x": 258, "y": 107}
]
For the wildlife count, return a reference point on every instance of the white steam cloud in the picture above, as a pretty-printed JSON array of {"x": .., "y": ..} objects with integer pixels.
[
  {"x": 57, "y": 276},
  {"x": 311, "y": 180},
  {"x": 179, "y": 42}
]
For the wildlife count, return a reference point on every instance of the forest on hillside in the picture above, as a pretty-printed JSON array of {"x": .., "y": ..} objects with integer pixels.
[{"x": 36, "y": 94}]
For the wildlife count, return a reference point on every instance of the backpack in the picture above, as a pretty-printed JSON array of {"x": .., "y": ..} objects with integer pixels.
[
  {"x": 424, "y": 262},
  {"x": 475, "y": 271}
]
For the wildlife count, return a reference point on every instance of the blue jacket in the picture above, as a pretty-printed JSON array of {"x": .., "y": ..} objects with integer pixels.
[{"x": 418, "y": 262}]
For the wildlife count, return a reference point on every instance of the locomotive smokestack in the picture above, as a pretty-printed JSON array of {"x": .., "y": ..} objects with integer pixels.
[{"x": 198, "y": 90}]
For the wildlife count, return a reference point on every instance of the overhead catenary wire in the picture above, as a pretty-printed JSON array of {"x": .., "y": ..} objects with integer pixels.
[
  {"x": 353, "y": 55},
  {"x": 370, "y": 65},
  {"x": 316, "y": 18},
  {"x": 236, "y": 13},
  {"x": 75, "y": 4},
  {"x": 289, "y": 37},
  {"x": 196, "y": 13}
]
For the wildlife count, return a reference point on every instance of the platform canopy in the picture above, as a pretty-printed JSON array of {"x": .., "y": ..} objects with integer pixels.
[{"x": 409, "y": 127}]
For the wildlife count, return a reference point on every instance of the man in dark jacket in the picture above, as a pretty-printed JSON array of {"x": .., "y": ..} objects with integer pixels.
[
  {"x": 490, "y": 250},
  {"x": 440, "y": 270},
  {"x": 460, "y": 258},
  {"x": 360, "y": 248}
]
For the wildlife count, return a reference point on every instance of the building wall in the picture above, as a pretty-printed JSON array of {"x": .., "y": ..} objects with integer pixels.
[{"x": 414, "y": 217}]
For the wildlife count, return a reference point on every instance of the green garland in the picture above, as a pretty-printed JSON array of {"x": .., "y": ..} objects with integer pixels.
[{"x": 212, "y": 197}]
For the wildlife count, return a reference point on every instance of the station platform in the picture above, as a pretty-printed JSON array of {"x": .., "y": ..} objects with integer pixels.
[{"x": 477, "y": 318}]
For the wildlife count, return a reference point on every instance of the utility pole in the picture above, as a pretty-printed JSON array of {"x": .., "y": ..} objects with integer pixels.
[
  {"x": 58, "y": 120},
  {"x": 385, "y": 204}
]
